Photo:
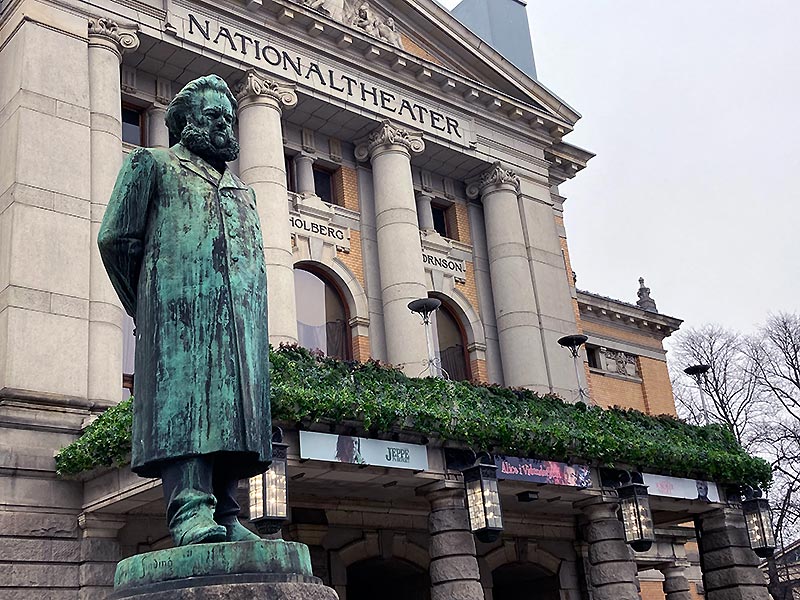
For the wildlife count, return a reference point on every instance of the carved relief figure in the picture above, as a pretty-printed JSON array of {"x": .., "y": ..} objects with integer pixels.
[{"x": 388, "y": 33}]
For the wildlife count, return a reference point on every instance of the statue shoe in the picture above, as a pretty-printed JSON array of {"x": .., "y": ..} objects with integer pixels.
[
  {"x": 202, "y": 533},
  {"x": 236, "y": 532}
]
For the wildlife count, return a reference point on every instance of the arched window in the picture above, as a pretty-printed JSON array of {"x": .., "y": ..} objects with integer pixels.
[
  {"x": 321, "y": 316},
  {"x": 450, "y": 344}
]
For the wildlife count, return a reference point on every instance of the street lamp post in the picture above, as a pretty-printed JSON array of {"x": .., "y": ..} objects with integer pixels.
[
  {"x": 425, "y": 307},
  {"x": 573, "y": 343},
  {"x": 698, "y": 373}
]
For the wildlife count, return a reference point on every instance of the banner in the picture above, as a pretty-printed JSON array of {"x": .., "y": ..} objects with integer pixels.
[
  {"x": 677, "y": 487},
  {"x": 543, "y": 471},
  {"x": 362, "y": 451}
]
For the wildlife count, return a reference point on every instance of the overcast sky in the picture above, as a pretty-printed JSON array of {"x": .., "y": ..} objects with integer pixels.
[{"x": 692, "y": 109}]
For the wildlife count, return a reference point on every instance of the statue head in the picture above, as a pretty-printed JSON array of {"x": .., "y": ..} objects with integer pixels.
[{"x": 202, "y": 116}]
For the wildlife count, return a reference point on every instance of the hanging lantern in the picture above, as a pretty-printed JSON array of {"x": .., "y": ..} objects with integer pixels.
[
  {"x": 483, "y": 502},
  {"x": 269, "y": 493},
  {"x": 637, "y": 519},
  {"x": 759, "y": 524}
]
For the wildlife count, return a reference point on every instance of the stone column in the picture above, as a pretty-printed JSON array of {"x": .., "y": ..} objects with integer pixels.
[
  {"x": 676, "y": 586},
  {"x": 99, "y": 554},
  {"x": 612, "y": 573},
  {"x": 454, "y": 568},
  {"x": 304, "y": 165},
  {"x": 107, "y": 42},
  {"x": 157, "y": 132},
  {"x": 399, "y": 246},
  {"x": 424, "y": 211},
  {"x": 262, "y": 166},
  {"x": 730, "y": 567},
  {"x": 518, "y": 330}
]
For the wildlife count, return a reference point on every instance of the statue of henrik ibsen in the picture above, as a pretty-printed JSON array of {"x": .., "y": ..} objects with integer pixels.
[{"x": 181, "y": 241}]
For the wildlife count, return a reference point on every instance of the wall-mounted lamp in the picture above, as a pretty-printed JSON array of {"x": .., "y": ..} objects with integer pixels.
[
  {"x": 483, "y": 500},
  {"x": 269, "y": 492},
  {"x": 758, "y": 518}
]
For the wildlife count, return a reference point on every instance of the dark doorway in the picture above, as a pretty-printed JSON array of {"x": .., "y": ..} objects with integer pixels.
[
  {"x": 387, "y": 579},
  {"x": 524, "y": 581}
]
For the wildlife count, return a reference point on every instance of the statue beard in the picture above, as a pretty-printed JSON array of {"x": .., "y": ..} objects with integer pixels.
[{"x": 205, "y": 144}]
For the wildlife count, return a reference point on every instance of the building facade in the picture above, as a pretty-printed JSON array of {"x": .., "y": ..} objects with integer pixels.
[{"x": 395, "y": 156}]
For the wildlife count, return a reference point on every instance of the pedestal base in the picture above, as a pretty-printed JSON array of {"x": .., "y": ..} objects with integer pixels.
[{"x": 265, "y": 570}]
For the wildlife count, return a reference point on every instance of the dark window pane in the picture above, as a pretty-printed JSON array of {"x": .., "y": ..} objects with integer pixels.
[
  {"x": 321, "y": 316},
  {"x": 592, "y": 358},
  {"x": 131, "y": 126},
  {"x": 290, "y": 182},
  {"x": 323, "y": 185},
  {"x": 440, "y": 220}
]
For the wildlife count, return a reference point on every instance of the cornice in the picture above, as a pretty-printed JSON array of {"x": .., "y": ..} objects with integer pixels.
[{"x": 601, "y": 308}]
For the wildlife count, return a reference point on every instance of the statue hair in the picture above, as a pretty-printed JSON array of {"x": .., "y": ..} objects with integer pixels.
[{"x": 183, "y": 103}]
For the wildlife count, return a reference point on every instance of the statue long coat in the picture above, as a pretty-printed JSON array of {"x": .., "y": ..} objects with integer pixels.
[{"x": 182, "y": 245}]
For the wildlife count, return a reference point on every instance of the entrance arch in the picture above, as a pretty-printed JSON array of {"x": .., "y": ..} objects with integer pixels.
[
  {"x": 388, "y": 579},
  {"x": 524, "y": 581}
]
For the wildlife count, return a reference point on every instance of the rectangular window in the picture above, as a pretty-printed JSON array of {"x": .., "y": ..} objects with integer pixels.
[
  {"x": 592, "y": 357},
  {"x": 440, "y": 220},
  {"x": 132, "y": 125},
  {"x": 291, "y": 183},
  {"x": 323, "y": 185}
]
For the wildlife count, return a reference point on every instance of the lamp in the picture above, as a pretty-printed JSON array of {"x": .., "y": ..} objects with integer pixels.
[
  {"x": 425, "y": 307},
  {"x": 759, "y": 523},
  {"x": 573, "y": 343},
  {"x": 637, "y": 519},
  {"x": 483, "y": 500},
  {"x": 269, "y": 493}
]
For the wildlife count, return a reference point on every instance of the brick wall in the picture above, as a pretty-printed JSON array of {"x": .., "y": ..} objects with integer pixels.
[
  {"x": 479, "y": 372},
  {"x": 611, "y": 391},
  {"x": 657, "y": 386},
  {"x": 652, "y": 590},
  {"x": 361, "y": 348},
  {"x": 469, "y": 288},
  {"x": 345, "y": 186},
  {"x": 458, "y": 223}
]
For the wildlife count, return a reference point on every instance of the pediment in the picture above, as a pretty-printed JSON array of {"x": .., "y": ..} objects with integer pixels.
[{"x": 427, "y": 31}]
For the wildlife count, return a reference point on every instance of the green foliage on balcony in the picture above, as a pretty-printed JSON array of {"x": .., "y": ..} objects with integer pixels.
[{"x": 307, "y": 389}]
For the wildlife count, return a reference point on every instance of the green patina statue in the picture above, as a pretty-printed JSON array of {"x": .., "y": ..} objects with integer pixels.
[{"x": 182, "y": 244}]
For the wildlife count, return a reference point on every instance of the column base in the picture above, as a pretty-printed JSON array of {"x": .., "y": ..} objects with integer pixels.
[{"x": 268, "y": 570}]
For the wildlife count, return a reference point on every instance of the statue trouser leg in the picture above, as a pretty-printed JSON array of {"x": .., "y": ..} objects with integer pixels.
[
  {"x": 227, "y": 512},
  {"x": 189, "y": 495}
]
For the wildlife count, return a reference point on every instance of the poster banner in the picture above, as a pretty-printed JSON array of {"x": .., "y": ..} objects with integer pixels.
[
  {"x": 362, "y": 451},
  {"x": 677, "y": 487},
  {"x": 543, "y": 471}
]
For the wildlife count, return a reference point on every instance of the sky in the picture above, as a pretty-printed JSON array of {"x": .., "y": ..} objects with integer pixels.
[{"x": 692, "y": 109}]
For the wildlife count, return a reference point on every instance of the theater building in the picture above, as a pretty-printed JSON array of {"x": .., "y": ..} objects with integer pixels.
[{"x": 395, "y": 156}]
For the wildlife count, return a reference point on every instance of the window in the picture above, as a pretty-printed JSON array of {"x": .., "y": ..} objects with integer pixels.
[
  {"x": 440, "y": 220},
  {"x": 291, "y": 182},
  {"x": 593, "y": 356},
  {"x": 323, "y": 185},
  {"x": 450, "y": 344},
  {"x": 132, "y": 125},
  {"x": 322, "y": 322}
]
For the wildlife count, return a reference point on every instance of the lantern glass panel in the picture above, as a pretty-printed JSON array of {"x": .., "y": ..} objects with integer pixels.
[
  {"x": 275, "y": 479},
  {"x": 256, "y": 485},
  {"x": 759, "y": 524},
  {"x": 491, "y": 502},
  {"x": 477, "y": 517},
  {"x": 637, "y": 519}
]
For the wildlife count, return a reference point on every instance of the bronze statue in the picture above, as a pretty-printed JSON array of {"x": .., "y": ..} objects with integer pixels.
[{"x": 182, "y": 244}]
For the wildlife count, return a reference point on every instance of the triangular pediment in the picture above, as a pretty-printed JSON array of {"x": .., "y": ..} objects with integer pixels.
[{"x": 427, "y": 31}]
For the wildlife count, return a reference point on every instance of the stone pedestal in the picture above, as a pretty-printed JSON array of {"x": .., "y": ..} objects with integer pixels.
[
  {"x": 730, "y": 567},
  {"x": 676, "y": 586},
  {"x": 268, "y": 570}
]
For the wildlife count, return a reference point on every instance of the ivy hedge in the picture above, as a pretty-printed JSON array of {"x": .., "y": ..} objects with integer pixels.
[{"x": 307, "y": 388}]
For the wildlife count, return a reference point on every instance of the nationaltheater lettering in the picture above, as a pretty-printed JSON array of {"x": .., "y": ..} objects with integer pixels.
[{"x": 305, "y": 68}]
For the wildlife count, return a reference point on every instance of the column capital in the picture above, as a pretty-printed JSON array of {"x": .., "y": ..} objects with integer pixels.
[
  {"x": 109, "y": 34},
  {"x": 496, "y": 177},
  {"x": 389, "y": 135},
  {"x": 256, "y": 87}
]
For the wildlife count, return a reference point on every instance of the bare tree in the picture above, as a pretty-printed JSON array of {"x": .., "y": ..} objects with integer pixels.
[{"x": 731, "y": 395}]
